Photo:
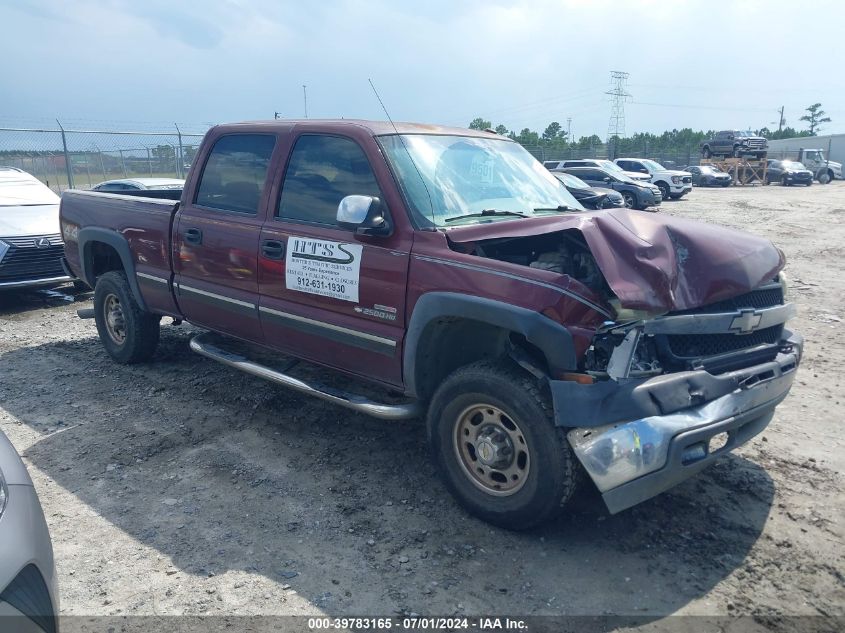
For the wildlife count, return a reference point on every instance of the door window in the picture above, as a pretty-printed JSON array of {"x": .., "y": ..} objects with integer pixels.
[
  {"x": 322, "y": 171},
  {"x": 234, "y": 173}
]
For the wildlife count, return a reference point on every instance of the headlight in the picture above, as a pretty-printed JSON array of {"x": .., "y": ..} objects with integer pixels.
[
  {"x": 3, "y": 249},
  {"x": 4, "y": 494},
  {"x": 783, "y": 284},
  {"x": 676, "y": 180}
]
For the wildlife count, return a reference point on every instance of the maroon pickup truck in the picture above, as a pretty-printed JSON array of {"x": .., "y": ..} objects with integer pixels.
[{"x": 539, "y": 341}]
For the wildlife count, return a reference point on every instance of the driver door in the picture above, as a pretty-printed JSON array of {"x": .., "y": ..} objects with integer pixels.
[{"x": 326, "y": 293}]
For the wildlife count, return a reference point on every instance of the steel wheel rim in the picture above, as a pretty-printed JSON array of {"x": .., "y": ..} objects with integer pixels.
[
  {"x": 492, "y": 450},
  {"x": 114, "y": 319}
]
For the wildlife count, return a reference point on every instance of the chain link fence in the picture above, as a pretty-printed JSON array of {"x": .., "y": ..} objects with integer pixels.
[{"x": 64, "y": 159}]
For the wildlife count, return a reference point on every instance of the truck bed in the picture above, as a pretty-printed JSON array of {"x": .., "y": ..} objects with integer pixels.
[{"x": 144, "y": 224}]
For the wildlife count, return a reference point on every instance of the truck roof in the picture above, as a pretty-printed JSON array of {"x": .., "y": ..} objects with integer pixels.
[{"x": 375, "y": 128}]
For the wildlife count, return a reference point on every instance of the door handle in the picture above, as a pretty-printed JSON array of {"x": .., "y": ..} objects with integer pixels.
[
  {"x": 193, "y": 236},
  {"x": 273, "y": 249}
]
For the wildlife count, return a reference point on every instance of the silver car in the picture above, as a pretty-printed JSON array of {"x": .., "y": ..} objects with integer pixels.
[
  {"x": 29, "y": 598},
  {"x": 31, "y": 247}
]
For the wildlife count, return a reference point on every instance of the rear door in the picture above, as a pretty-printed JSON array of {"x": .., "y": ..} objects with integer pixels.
[
  {"x": 327, "y": 294},
  {"x": 215, "y": 246}
]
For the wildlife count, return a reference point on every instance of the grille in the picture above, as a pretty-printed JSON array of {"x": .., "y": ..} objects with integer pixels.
[
  {"x": 687, "y": 346},
  {"x": 25, "y": 261},
  {"x": 698, "y": 345}
]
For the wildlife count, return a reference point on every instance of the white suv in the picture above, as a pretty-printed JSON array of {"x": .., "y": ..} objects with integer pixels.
[
  {"x": 672, "y": 183},
  {"x": 601, "y": 163}
]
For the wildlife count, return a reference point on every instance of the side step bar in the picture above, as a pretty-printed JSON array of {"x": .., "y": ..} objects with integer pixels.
[{"x": 201, "y": 345}]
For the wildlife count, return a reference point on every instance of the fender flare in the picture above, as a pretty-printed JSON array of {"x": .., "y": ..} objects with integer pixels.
[
  {"x": 91, "y": 234},
  {"x": 550, "y": 337}
]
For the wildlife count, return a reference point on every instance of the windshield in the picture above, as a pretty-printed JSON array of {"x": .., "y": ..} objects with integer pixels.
[
  {"x": 445, "y": 177},
  {"x": 653, "y": 165},
  {"x": 792, "y": 164},
  {"x": 745, "y": 133},
  {"x": 571, "y": 181},
  {"x": 609, "y": 165}
]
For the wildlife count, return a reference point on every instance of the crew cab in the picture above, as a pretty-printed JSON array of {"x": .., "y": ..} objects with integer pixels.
[
  {"x": 736, "y": 143},
  {"x": 671, "y": 182},
  {"x": 537, "y": 340}
]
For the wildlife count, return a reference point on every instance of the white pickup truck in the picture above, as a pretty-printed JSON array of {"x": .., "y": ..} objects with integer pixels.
[{"x": 672, "y": 183}]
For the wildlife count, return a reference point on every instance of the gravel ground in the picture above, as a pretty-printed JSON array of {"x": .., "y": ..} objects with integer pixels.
[{"x": 184, "y": 487}]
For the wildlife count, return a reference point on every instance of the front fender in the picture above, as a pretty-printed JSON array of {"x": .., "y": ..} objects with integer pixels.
[{"x": 553, "y": 339}]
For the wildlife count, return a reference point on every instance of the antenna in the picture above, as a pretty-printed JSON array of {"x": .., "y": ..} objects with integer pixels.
[
  {"x": 305, "y": 99},
  {"x": 402, "y": 140}
]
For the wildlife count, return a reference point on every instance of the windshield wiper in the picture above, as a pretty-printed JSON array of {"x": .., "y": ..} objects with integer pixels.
[
  {"x": 560, "y": 207},
  {"x": 486, "y": 213}
]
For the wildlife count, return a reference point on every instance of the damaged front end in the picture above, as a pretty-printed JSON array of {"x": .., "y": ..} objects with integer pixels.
[{"x": 693, "y": 355}]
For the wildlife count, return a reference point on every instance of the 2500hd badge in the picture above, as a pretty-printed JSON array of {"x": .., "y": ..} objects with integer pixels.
[{"x": 328, "y": 269}]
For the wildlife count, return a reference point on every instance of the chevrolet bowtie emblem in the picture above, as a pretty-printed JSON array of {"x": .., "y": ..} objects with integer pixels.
[{"x": 747, "y": 321}]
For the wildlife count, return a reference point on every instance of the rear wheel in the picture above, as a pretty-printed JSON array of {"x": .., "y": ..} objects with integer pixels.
[
  {"x": 129, "y": 334},
  {"x": 705, "y": 152},
  {"x": 494, "y": 442}
]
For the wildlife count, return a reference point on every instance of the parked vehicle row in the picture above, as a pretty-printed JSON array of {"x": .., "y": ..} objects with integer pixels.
[
  {"x": 636, "y": 194},
  {"x": 671, "y": 182}
]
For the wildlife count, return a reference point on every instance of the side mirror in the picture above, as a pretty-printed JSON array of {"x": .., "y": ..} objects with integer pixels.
[
  {"x": 643, "y": 170},
  {"x": 365, "y": 215},
  {"x": 607, "y": 179}
]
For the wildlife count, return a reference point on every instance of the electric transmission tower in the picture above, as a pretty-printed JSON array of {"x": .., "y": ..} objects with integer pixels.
[{"x": 619, "y": 94}]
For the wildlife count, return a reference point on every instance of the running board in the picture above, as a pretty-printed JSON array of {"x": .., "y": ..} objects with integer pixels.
[{"x": 405, "y": 411}]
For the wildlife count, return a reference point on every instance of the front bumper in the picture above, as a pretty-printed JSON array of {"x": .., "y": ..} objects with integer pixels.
[
  {"x": 680, "y": 190},
  {"x": 634, "y": 460}
]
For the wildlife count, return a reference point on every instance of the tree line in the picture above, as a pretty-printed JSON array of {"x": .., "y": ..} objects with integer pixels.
[{"x": 554, "y": 137}]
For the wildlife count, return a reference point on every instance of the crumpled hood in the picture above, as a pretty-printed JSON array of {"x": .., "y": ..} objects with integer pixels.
[
  {"x": 41, "y": 219},
  {"x": 656, "y": 262}
]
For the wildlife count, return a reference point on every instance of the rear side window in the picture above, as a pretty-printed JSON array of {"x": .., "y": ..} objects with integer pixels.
[
  {"x": 321, "y": 172},
  {"x": 235, "y": 172}
]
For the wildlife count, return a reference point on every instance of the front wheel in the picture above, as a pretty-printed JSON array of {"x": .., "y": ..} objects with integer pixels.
[
  {"x": 664, "y": 190},
  {"x": 784, "y": 181},
  {"x": 630, "y": 200},
  {"x": 129, "y": 334},
  {"x": 494, "y": 442},
  {"x": 737, "y": 153},
  {"x": 825, "y": 178}
]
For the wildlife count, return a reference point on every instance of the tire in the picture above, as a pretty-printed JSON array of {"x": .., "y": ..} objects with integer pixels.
[
  {"x": 129, "y": 334},
  {"x": 737, "y": 153},
  {"x": 810, "y": 184},
  {"x": 495, "y": 406},
  {"x": 726, "y": 184},
  {"x": 630, "y": 200},
  {"x": 705, "y": 152},
  {"x": 664, "y": 190},
  {"x": 783, "y": 181},
  {"x": 826, "y": 178}
]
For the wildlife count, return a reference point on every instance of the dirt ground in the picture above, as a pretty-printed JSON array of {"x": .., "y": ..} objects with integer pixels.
[{"x": 185, "y": 487}]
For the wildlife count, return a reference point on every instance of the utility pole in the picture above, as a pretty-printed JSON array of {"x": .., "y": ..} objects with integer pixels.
[
  {"x": 569, "y": 129},
  {"x": 781, "y": 122},
  {"x": 305, "y": 100},
  {"x": 619, "y": 94}
]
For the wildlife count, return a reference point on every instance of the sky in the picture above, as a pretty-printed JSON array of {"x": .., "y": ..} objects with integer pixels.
[{"x": 146, "y": 64}]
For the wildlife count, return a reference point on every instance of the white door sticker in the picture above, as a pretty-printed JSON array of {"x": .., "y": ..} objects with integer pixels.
[{"x": 318, "y": 267}]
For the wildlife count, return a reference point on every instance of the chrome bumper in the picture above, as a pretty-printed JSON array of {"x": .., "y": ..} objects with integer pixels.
[{"x": 633, "y": 461}]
